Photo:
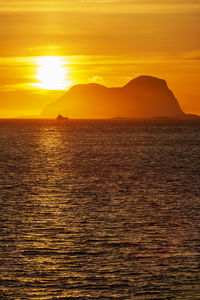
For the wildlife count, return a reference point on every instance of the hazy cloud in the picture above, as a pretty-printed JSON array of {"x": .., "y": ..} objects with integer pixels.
[{"x": 107, "y": 6}]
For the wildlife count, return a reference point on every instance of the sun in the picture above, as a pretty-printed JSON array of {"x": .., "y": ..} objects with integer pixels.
[{"x": 52, "y": 73}]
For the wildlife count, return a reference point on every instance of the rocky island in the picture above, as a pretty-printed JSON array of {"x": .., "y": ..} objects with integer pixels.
[{"x": 143, "y": 97}]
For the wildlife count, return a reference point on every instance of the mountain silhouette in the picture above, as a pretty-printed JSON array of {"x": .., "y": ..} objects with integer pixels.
[{"x": 143, "y": 97}]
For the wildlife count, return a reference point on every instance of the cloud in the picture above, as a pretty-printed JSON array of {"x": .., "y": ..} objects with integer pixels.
[
  {"x": 108, "y": 6},
  {"x": 96, "y": 79},
  {"x": 191, "y": 55}
]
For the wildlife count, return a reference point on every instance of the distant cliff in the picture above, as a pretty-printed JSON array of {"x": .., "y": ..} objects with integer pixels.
[{"x": 142, "y": 97}]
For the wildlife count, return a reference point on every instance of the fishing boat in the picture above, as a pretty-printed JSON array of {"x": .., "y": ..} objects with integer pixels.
[{"x": 61, "y": 118}]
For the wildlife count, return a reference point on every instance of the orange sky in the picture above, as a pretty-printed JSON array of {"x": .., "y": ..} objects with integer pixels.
[{"x": 108, "y": 42}]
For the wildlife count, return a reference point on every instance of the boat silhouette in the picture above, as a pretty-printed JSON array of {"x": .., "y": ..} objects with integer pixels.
[{"x": 61, "y": 118}]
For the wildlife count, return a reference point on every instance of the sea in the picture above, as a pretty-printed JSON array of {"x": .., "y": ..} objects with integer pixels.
[{"x": 99, "y": 209}]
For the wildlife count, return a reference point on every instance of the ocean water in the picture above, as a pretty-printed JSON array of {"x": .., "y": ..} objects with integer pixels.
[{"x": 99, "y": 209}]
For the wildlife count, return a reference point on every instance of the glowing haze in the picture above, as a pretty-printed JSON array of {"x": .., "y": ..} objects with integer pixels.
[{"x": 48, "y": 46}]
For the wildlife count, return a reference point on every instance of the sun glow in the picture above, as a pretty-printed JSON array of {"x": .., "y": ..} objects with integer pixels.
[{"x": 52, "y": 73}]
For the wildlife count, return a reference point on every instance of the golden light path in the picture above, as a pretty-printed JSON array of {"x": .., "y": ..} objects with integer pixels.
[{"x": 52, "y": 73}]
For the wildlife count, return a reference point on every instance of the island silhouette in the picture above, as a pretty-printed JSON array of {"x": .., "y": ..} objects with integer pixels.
[{"x": 142, "y": 97}]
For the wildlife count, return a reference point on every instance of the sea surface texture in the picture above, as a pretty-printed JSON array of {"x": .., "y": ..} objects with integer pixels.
[{"x": 99, "y": 209}]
